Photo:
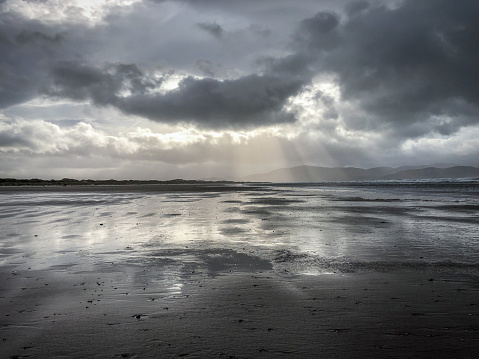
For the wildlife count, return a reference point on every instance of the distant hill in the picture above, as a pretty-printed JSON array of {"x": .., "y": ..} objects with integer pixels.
[
  {"x": 333, "y": 174},
  {"x": 433, "y": 172}
]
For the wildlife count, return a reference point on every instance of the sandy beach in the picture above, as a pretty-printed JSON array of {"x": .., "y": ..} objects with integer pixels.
[{"x": 244, "y": 272}]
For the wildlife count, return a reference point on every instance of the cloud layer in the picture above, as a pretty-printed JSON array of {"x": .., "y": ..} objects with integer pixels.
[
  {"x": 410, "y": 67},
  {"x": 323, "y": 79}
]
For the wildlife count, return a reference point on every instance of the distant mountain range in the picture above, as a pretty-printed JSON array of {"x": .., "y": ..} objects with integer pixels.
[{"x": 333, "y": 174}]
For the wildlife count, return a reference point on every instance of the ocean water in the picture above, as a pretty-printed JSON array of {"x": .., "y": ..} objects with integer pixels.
[{"x": 291, "y": 229}]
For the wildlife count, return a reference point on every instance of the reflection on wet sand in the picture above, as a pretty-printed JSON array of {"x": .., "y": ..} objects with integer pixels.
[{"x": 127, "y": 251}]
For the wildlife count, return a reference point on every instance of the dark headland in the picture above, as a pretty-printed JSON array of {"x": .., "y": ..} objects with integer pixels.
[{"x": 90, "y": 182}]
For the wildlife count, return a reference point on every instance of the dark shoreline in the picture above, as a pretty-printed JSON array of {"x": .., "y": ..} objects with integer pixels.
[
  {"x": 109, "y": 182},
  {"x": 164, "y": 187}
]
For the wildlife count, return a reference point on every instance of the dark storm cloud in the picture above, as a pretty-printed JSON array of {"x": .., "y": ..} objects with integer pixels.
[
  {"x": 411, "y": 68},
  {"x": 292, "y": 65},
  {"x": 404, "y": 65},
  {"x": 27, "y": 51},
  {"x": 49, "y": 59},
  {"x": 248, "y": 101},
  {"x": 104, "y": 86}
]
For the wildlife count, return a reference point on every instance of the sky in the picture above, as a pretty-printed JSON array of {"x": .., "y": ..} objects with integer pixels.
[{"x": 199, "y": 89}]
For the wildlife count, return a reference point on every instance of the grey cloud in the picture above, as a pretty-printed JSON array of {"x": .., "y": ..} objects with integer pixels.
[
  {"x": 291, "y": 65},
  {"x": 402, "y": 65},
  {"x": 320, "y": 24},
  {"x": 54, "y": 60},
  {"x": 261, "y": 7},
  {"x": 318, "y": 33},
  {"x": 25, "y": 136},
  {"x": 9, "y": 139},
  {"x": 248, "y": 101},
  {"x": 329, "y": 105},
  {"x": 27, "y": 51},
  {"x": 35, "y": 1},
  {"x": 355, "y": 7},
  {"x": 212, "y": 28},
  {"x": 27, "y": 36},
  {"x": 102, "y": 85},
  {"x": 14, "y": 87},
  {"x": 39, "y": 138},
  {"x": 409, "y": 68},
  {"x": 206, "y": 67}
]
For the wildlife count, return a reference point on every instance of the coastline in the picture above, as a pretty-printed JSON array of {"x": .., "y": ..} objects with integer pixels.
[{"x": 157, "y": 187}]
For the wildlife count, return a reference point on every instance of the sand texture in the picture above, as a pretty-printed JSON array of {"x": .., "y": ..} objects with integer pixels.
[{"x": 248, "y": 272}]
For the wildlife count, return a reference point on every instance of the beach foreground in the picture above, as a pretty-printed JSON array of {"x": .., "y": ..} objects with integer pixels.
[{"x": 266, "y": 271}]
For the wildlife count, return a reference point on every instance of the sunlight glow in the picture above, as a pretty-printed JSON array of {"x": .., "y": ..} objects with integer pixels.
[
  {"x": 462, "y": 143},
  {"x": 316, "y": 103},
  {"x": 58, "y": 10},
  {"x": 170, "y": 83},
  {"x": 50, "y": 102}
]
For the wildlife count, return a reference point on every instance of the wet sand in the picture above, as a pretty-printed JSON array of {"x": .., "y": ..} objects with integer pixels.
[
  {"x": 400, "y": 315},
  {"x": 263, "y": 273}
]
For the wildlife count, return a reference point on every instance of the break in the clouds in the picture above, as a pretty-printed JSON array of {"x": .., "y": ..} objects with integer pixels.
[{"x": 318, "y": 82}]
